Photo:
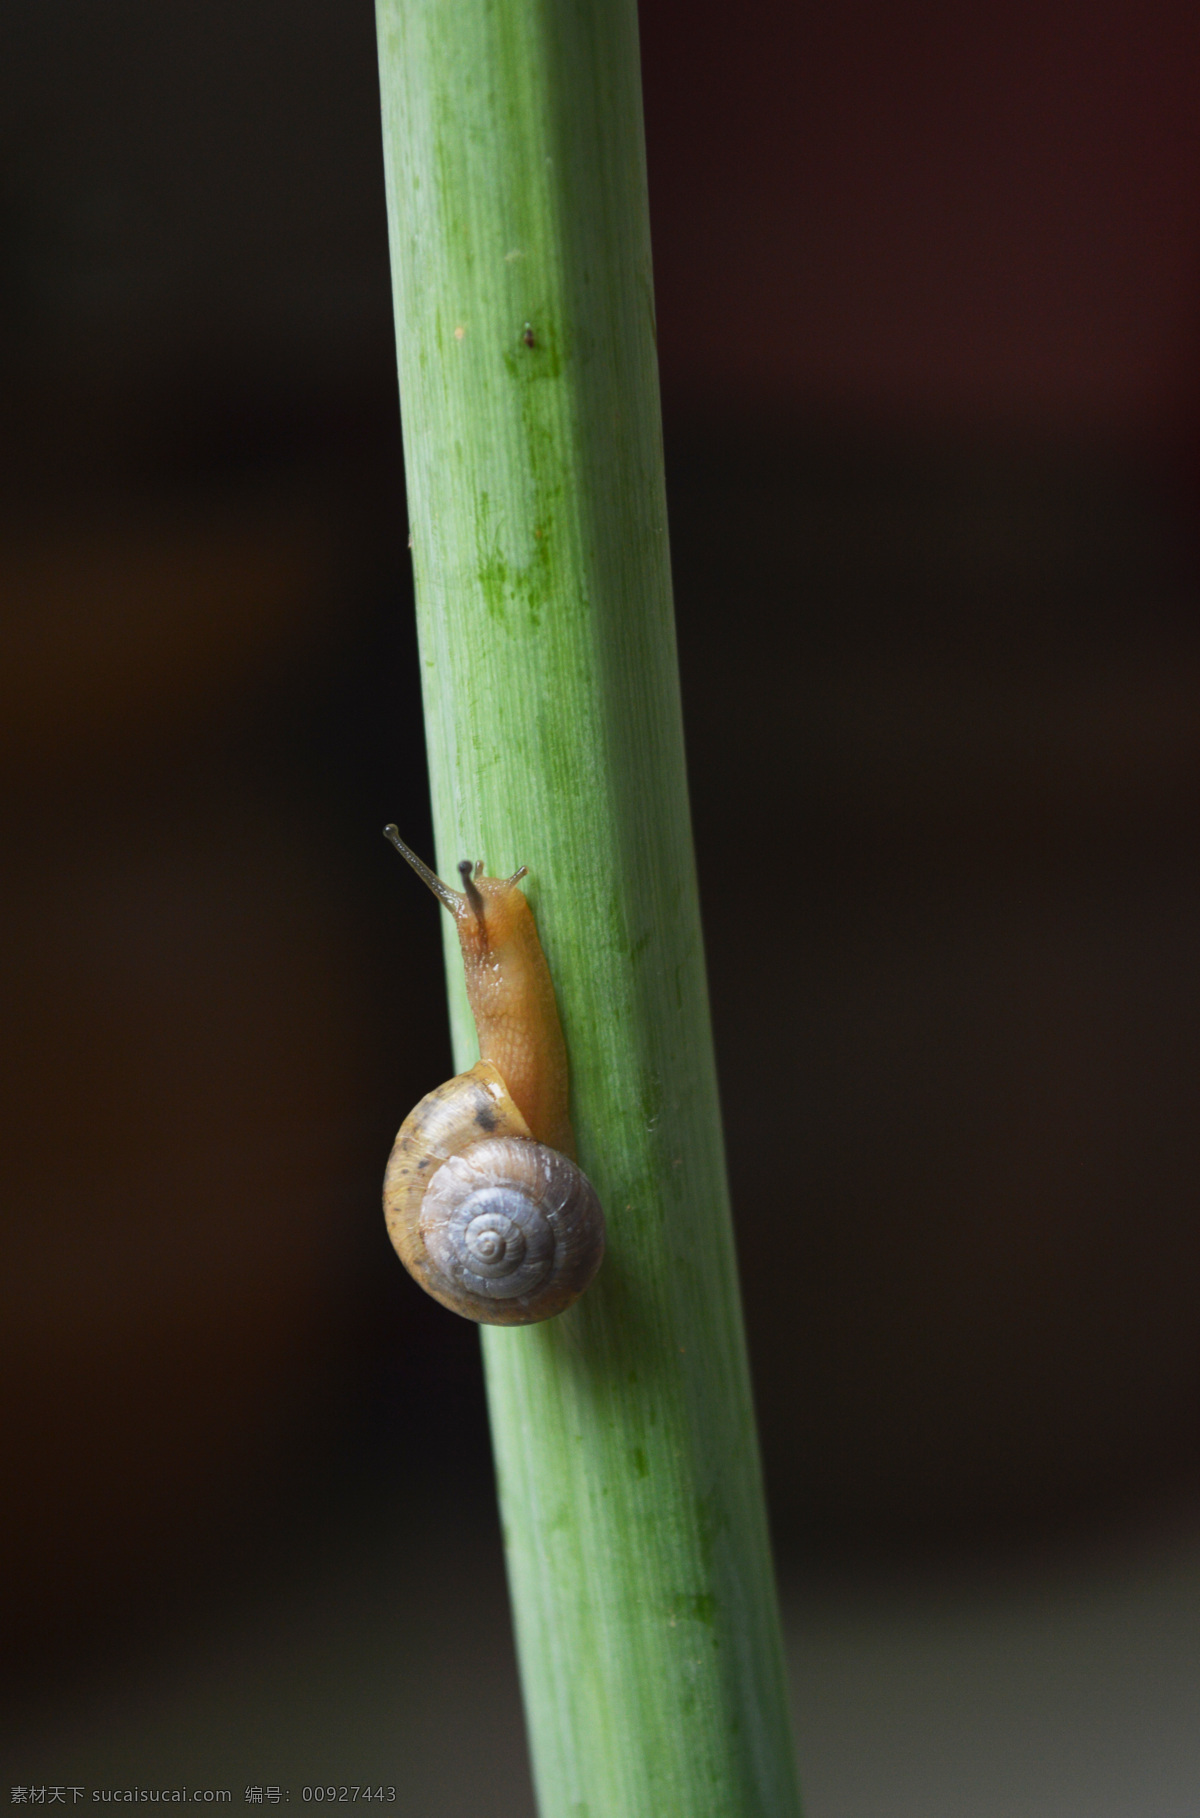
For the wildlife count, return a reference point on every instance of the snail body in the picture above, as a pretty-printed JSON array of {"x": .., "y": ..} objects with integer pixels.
[{"x": 485, "y": 1203}]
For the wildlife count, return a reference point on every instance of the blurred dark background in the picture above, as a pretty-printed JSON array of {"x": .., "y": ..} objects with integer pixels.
[{"x": 929, "y": 321}]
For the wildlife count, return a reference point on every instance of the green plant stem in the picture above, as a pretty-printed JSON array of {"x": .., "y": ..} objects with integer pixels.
[{"x": 628, "y": 1467}]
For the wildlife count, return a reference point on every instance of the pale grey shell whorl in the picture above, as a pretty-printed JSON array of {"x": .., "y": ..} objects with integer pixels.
[{"x": 513, "y": 1225}]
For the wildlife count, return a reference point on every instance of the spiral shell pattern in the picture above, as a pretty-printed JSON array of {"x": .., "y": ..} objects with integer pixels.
[
  {"x": 494, "y": 1225},
  {"x": 508, "y": 1218}
]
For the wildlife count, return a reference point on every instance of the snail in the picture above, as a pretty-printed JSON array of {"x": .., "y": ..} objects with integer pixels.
[{"x": 485, "y": 1202}]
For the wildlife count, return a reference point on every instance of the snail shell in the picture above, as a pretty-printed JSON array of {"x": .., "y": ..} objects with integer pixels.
[{"x": 496, "y": 1225}]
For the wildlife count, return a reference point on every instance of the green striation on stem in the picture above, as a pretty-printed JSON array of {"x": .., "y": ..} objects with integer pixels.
[{"x": 628, "y": 1467}]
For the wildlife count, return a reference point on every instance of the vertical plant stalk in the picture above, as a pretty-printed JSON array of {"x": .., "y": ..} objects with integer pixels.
[{"x": 628, "y": 1468}]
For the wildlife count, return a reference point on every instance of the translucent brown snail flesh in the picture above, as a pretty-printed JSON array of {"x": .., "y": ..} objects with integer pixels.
[{"x": 485, "y": 1202}]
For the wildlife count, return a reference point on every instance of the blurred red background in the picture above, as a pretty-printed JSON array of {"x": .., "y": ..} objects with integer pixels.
[{"x": 928, "y": 322}]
